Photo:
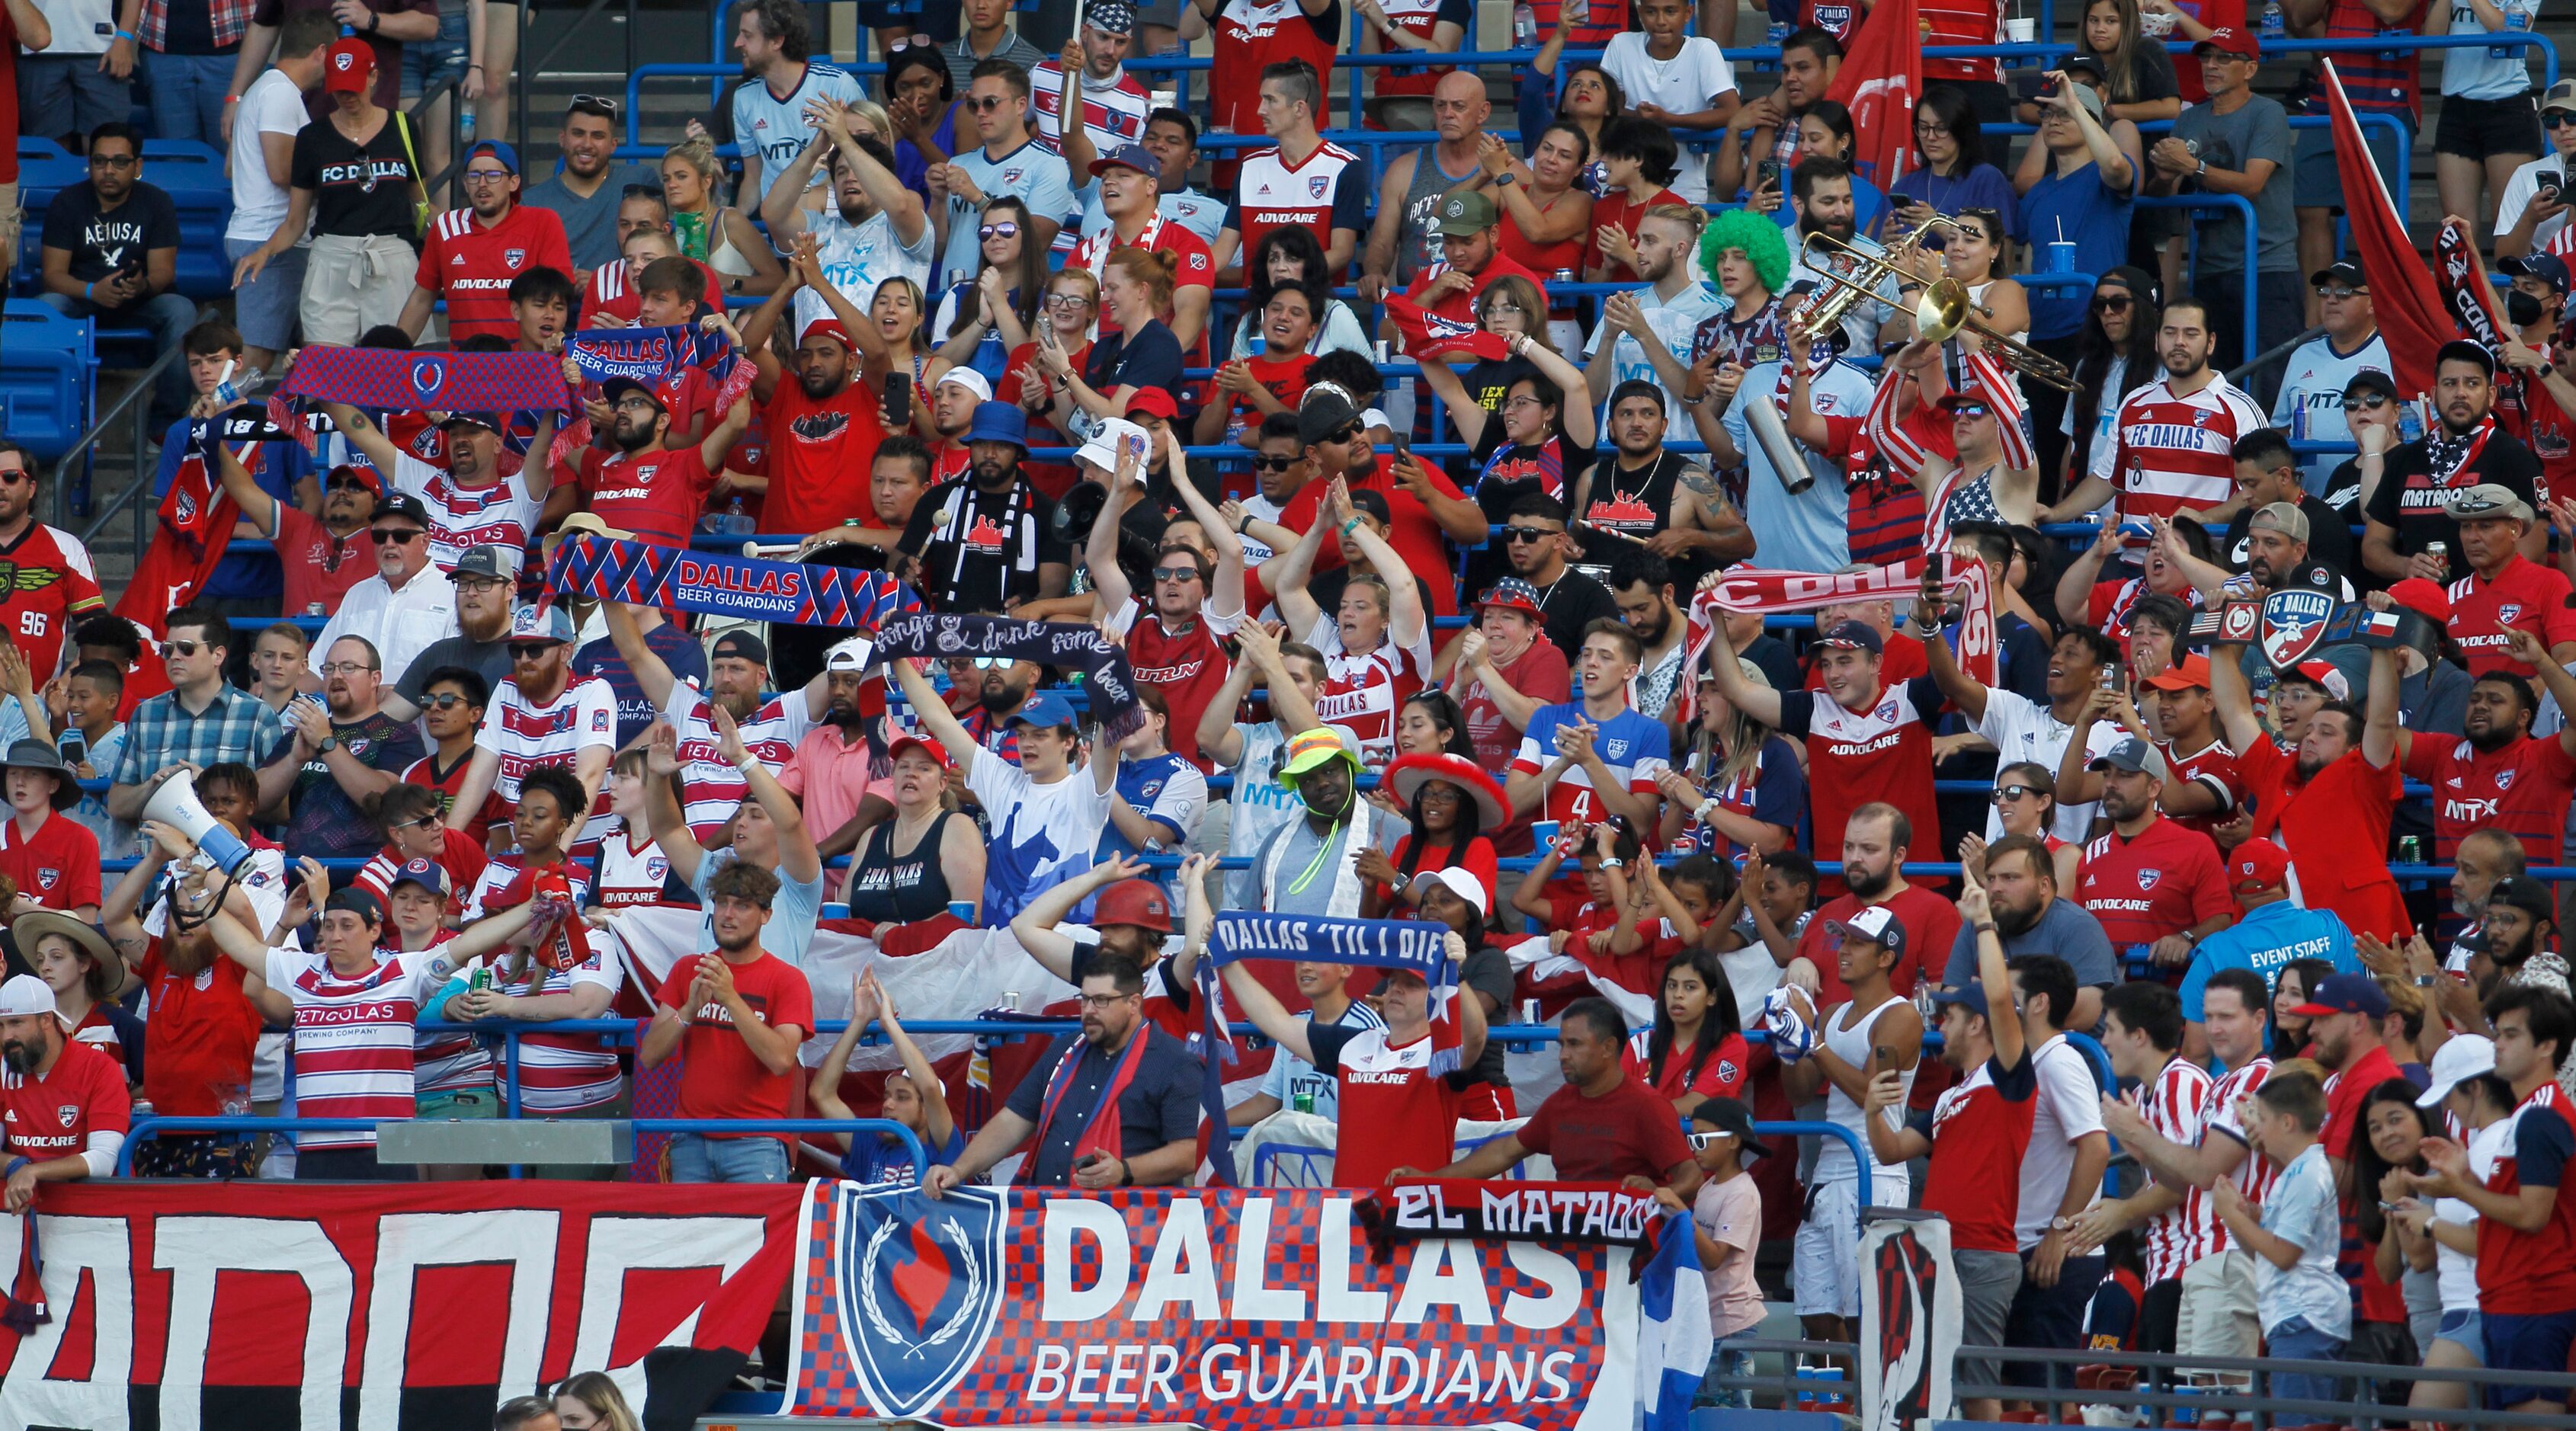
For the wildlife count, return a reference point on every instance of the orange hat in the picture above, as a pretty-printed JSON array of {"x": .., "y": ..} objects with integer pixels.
[{"x": 2183, "y": 675}]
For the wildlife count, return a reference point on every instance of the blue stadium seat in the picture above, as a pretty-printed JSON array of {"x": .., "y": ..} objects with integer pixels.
[
  {"x": 32, "y": 149},
  {"x": 39, "y": 179},
  {"x": 193, "y": 175},
  {"x": 46, "y": 371}
]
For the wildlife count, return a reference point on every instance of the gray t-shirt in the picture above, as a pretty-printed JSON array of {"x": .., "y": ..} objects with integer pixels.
[
  {"x": 2065, "y": 929},
  {"x": 2256, "y": 129},
  {"x": 1308, "y": 866},
  {"x": 590, "y": 225},
  {"x": 488, "y": 659},
  {"x": 792, "y": 913}
]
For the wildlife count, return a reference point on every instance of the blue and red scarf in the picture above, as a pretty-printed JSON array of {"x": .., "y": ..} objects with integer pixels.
[
  {"x": 389, "y": 380},
  {"x": 1104, "y": 1133},
  {"x": 651, "y": 355}
]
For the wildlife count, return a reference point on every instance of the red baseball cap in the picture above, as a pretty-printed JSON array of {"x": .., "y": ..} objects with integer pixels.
[
  {"x": 937, "y": 753},
  {"x": 347, "y": 66},
  {"x": 2257, "y": 867},
  {"x": 2229, "y": 40},
  {"x": 2425, "y": 598},
  {"x": 830, "y": 328},
  {"x": 1154, "y": 401},
  {"x": 1134, "y": 901}
]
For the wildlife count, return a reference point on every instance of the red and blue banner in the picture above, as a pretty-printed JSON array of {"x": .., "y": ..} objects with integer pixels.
[
  {"x": 748, "y": 587},
  {"x": 1235, "y": 1310},
  {"x": 389, "y": 380},
  {"x": 384, "y": 1307}
]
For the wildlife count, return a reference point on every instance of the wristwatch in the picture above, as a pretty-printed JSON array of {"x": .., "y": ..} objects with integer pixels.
[
  {"x": 326, "y": 745},
  {"x": 2426, "y": 981}
]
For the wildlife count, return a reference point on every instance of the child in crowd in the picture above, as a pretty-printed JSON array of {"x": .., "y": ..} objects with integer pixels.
[
  {"x": 1756, "y": 934},
  {"x": 543, "y": 825},
  {"x": 913, "y": 1097},
  {"x": 1727, "y": 1214},
  {"x": 2304, "y": 1306},
  {"x": 92, "y": 739}
]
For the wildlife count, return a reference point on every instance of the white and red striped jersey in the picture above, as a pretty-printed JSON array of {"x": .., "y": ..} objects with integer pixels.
[
  {"x": 2176, "y": 1105},
  {"x": 631, "y": 871},
  {"x": 1962, "y": 22},
  {"x": 507, "y": 867},
  {"x": 1328, "y": 191},
  {"x": 2255, "y": 1175},
  {"x": 525, "y": 735},
  {"x": 569, "y": 1072},
  {"x": 1113, "y": 112},
  {"x": 500, "y": 514},
  {"x": 2175, "y": 451},
  {"x": 1362, "y": 694},
  {"x": 710, "y": 788},
  {"x": 353, "y": 1037}
]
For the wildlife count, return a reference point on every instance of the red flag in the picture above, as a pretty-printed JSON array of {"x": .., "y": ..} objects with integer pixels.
[
  {"x": 1880, "y": 79},
  {"x": 193, "y": 527},
  {"x": 1427, "y": 334},
  {"x": 2402, "y": 292}
]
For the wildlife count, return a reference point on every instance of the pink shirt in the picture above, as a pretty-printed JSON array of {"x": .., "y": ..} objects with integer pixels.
[
  {"x": 1731, "y": 1214},
  {"x": 829, "y": 778}
]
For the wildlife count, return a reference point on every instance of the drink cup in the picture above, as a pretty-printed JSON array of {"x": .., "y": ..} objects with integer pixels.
[
  {"x": 2021, "y": 30},
  {"x": 2061, "y": 257}
]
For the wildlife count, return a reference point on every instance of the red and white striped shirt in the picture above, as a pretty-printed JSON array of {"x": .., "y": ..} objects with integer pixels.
[
  {"x": 2255, "y": 1175},
  {"x": 499, "y": 514},
  {"x": 1962, "y": 22},
  {"x": 2176, "y": 1105},
  {"x": 2176, "y": 451},
  {"x": 353, "y": 1037},
  {"x": 1113, "y": 113},
  {"x": 447, "y": 1062},
  {"x": 710, "y": 788},
  {"x": 569, "y": 1073},
  {"x": 526, "y": 735},
  {"x": 1363, "y": 693}
]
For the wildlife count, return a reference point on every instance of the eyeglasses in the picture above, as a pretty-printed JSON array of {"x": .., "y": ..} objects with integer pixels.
[
  {"x": 1521, "y": 400},
  {"x": 1273, "y": 464},
  {"x": 598, "y": 104},
  {"x": 446, "y": 701},
  {"x": 2111, "y": 303},
  {"x": 2014, "y": 792},
  {"x": 345, "y": 668},
  {"x": 1007, "y": 228},
  {"x": 1529, "y": 534},
  {"x": 480, "y": 583},
  {"x": 387, "y": 538},
  {"x": 184, "y": 648},
  {"x": 1103, "y": 1001},
  {"x": 979, "y": 663},
  {"x": 1176, "y": 573},
  {"x": 2331, "y": 291},
  {"x": 486, "y": 176},
  {"x": 638, "y": 402},
  {"x": 1064, "y": 300},
  {"x": 985, "y": 105}
]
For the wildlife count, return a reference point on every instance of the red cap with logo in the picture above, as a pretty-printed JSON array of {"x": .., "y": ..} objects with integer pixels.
[
  {"x": 1134, "y": 901},
  {"x": 347, "y": 66},
  {"x": 2257, "y": 867}
]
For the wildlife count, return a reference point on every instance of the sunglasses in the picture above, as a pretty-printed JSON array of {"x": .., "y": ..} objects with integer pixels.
[
  {"x": 2014, "y": 792},
  {"x": 2557, "y": 119},
  {"x": 347, "y": 484},
  {"x": 530, "y": 651},
  {"x": 598, "y": 104},
  {"x": 2326, "y": 291},
  {"x": 2111, "y": 303},
  {"x": 1273, "y": 464},
  {"x": 184, "y": 648},
  {"x": 12, "y": 476},
  {"x": 1968, "y": 409},
  {"x": 980, "y": 663},
  {"x": 986, "y": 105},
  {"x": 1529, "y": 534},
  {"x": 1176, "y": 573},
  {"x": 446, "y": 701},
  {"x": 1007, "y": 228},
  {"x": 2367, "y": 402},
  {"x": 386, "y": 538},
  {"x": 425, "y": 822},
  {"x": 1352, "y": 433}
]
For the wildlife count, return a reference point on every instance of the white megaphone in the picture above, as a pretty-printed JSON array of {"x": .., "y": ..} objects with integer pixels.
[{"x": 175, "y": 805}]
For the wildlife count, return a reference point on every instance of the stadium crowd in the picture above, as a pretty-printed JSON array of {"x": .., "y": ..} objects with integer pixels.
[{"x": 2118, "y": 883}]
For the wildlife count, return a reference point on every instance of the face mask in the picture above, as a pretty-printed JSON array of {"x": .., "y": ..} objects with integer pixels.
[{"x": 2521, "y": 309}]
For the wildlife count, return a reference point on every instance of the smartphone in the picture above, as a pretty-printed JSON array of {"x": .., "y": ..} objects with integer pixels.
[
  {"x": 1092, "y": 1160},
  {"x": 2031, "y": 88},
  {"x": 898, "y": 403},
  {"x": 1767, "y": 175},
  {"x": 2110, "y": 677},
  {"x": 2548, "y": 185}
]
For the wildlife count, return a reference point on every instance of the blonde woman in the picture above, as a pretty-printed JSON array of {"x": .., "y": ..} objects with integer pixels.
[
  {"x": 589, "y": 1401},
  {"x": 721, "y": 238}
]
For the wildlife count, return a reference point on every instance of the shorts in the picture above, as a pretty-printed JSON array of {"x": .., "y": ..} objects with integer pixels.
[
  {"x": 2465, "y": 1330},
  {"x": 427, "y": 64},
  {"x": 264, "y": 308},
  {"x": 1825, "y": 1255},
  {"x": 2319, "y": 184},
  {"x": 2483, "y": 128},
  {"x": 75, "y": 94},
  {"x": 2534, "y": 1341},
  {"x": 2217, "y": 1314},
  {"x": 459, "y": 1103},
  {"x": 352, "y": 284},
  {"x": 2160, "y": 1317},
  {"x": 1987, "y": 1281}
]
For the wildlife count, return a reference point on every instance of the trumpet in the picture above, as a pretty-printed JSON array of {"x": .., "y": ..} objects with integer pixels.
[{"x": 1943, "y": 312}]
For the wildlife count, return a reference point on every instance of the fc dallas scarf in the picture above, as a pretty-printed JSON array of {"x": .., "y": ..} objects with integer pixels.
[
  {"x": 1429, "y": 335},
  {"x": 643, "y": 574},
  {"x": 1413, "y": 1209},
  {"x": 195, "y": 528},
  {"x": 650, "y": 355},
  {"x": 1103, "y": 1135},
  {"x": 386, "y": 380},
  {"x": 1108, "y": 683},
  {"x": 1771, "y": 592}
]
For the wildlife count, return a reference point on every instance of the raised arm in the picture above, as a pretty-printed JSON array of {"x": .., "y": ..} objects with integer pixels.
[
  {"x": 365, "y": 436},
  {"x": 1760, "y": 702},
  {"x": 1962, "y": 690},
  {"x": 2235, "y": 701},
  {"x": 2379, "y": 733},
  {"x": 1288, "y": 585},
  {"x": 797, "y": 858},
  {"x": 662, "y": 813},
  {"x": 1035, "y": 926},
  {"x": 935, "y": 717}
]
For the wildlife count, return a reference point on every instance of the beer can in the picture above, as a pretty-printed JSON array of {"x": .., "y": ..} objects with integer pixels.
[
  {"x": 1303, "y": 1100},
  {"x": 2410, "y": 849},
  {"x": 1011, "y": 1001}
]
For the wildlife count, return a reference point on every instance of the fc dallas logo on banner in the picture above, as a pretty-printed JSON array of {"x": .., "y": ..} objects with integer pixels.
[{"x": 385, "y": 1308}]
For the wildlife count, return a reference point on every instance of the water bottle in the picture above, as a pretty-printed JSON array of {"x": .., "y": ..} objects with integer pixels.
[
  {"x": 2299, "y": 421},
  {"x": 1524, "y": 25},
  {"x": 465, "y": 127},
  {"x": 2513, "y": 20},
  {"x": 2275, "y": 27}
]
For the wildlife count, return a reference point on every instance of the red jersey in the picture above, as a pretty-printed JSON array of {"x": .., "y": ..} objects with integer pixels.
[
  {"x": 612, "y": 293},
  {"x": 1837, "y": 18},
  {"x": 2521, "y": 787},
  {"x": 1854, "y": 757},
  {"x": 1461, "y": 307},
  {"x": 656, "y": 495},
  {"x": 2174, "y": 450},
  {"x": 2335, "y": 827},
  {"x": 1962, "y": 22},
  {"x": 48, "y": 584},
  {"x": 461, "y": 858},
  {"x": 1284, "y": 378},
  {"x": 1402, "y": 1101},
  {"x": 1561, "y": 261},
  {"x": 720, "y": 1077},
  {"x": 1931, "y": 926},
  {"x": 2162, "y": 881},
  {"x": 2217, "y": 15},
  {"x": 1189, "y": 669},
  {"x": 472, "y": 265},
  {"x": 199, "y": 1042},
  {"x": 820, "y": 454},
  {"x": 2214, "y": 770},
  {"x": 320, "y": 568},
  {"x": 1903, "y": 662},
  {"x": 1616, "y": 210},
  {"x": 56, "y": 867},
  {"x": 2524, "y": 595},
  {"x": 2527, "y": 1273},
  {"x": 53, "y": 1116},
  {"x": 1251, "y": 34},
  {"x": 1720, "y": 1075},
  {"x": 1414, "y": 534},
  {"x": 1980, "y": 1130}
]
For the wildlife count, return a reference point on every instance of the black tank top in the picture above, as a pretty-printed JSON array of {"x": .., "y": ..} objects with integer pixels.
[{"x": 887, "y": 888}]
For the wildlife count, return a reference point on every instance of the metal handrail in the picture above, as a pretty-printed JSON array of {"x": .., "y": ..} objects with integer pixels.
[{"x": 137, "y": 399}]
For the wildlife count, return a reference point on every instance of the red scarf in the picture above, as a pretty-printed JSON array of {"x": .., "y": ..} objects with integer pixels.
[{"x": 1103, "y": 1135}]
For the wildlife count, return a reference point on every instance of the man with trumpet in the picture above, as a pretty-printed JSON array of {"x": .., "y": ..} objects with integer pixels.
[{"x": 1794, "y": 496}]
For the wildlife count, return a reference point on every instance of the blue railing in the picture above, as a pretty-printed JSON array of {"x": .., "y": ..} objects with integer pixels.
[{"x": 157, "y": 1125}]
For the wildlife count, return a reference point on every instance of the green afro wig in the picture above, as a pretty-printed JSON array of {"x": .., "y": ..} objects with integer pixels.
[{"x": 1754, "y": 233}]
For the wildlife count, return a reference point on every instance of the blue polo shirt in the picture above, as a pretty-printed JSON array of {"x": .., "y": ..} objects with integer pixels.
[{"x": 2265, "y": 939}]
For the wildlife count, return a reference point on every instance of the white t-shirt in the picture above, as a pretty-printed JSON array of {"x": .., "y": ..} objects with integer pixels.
[
  {"x": 857, "y": 257},
  {"x": 2456, "y": 1271},
  {"x": 2070, "y": 1106},
  {"x": 2023, "y": 729},
  {"x": 2518, "y": 191},
  {"x": 272, "y": 105},
  {"x": 1684, "y": 84},
  {"x": 81, "y": 27},
  {"x": 1042, "y": 835}
]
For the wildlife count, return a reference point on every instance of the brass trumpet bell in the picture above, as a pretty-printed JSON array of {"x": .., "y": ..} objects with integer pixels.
[{"x": 1942, "y": 313}]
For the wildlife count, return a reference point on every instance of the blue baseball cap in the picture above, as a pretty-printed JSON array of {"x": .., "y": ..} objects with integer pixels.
[
  {"x": 424, "y": 873},
  {"x": 1128, "y": 156},
  {"x": 508, "y": 156},
  {"x": 1970, "y": 996},
  {"x": 1043, "y": 709},
  {"x": 1000, "y": 422}
]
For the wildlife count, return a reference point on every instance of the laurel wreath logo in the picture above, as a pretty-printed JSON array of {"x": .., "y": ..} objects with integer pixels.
[{"x": 883, "y": 1326}]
